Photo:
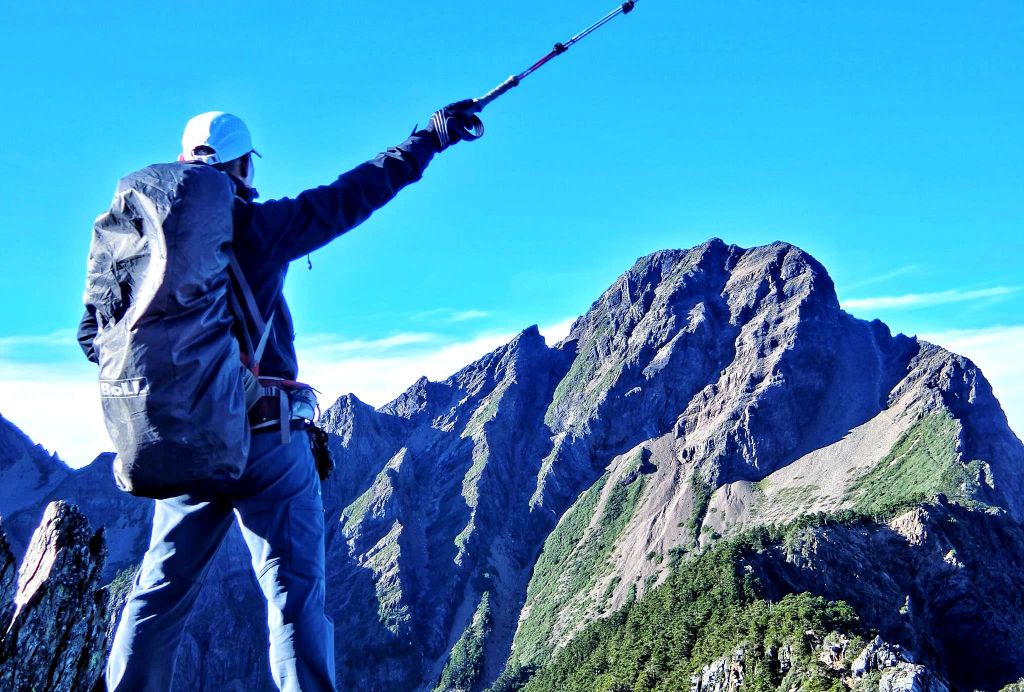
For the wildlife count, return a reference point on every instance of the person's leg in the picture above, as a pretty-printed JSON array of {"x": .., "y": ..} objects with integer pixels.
[
  {"x": 186, "y": 535},
  {"x": 282, "y": 517}
]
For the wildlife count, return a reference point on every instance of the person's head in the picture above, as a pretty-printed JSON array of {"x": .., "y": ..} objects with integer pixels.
[{"x": 221, "y": 140}]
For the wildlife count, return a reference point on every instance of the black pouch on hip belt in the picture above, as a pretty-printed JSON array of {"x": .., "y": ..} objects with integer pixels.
[{"x": 321, "y": 451}]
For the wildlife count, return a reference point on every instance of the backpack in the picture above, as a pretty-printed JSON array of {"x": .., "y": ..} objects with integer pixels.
[{"x": 172, "y": 385}]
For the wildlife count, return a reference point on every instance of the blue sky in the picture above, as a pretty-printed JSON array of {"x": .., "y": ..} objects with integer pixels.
[{"x": 884, "y": 138}]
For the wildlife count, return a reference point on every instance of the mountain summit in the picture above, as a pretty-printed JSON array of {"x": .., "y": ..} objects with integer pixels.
[
  {"x": 477, "y": 525},
  {"x": 705, "y": 391}
]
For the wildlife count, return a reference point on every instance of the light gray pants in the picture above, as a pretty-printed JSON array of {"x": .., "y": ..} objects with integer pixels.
[{"x": 277, "y": 504}]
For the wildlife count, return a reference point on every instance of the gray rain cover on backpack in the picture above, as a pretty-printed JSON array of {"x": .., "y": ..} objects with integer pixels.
[{"x": 170, "y": 375}]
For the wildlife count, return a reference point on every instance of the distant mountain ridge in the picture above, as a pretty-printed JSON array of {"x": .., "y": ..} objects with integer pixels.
[{"x": 478, "y": 524}]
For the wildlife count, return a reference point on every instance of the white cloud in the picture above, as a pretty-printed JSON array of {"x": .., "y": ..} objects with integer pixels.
[
  {"x": 330, "y": 345},
  {"x": 881, "y": 278},
  {"x": 450, "y": 315},
  {"x": 464, "y": 315},
  {"x": 59, "y": 338},
  {"x": 58, "y": 406},
  {"x": 553, "y": 333},
  {"x": 377, "y": 379},
  {"x": 925, "y": 300},
  {"x": 998, "y": 352}
]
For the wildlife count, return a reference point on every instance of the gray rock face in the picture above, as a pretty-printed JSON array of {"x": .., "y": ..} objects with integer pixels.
[
  {"x": 421, "y": 539},
  {"x": 940, "y": 582},
  {"x": 54, "y": 641},
  {"x": 896, "y": 668},
  {"x": 907, "y": 677},
  {"x": 706, "y": 391},
  {"x": 723, "y": 675},
  {"x": 892, "y": 668},
  {"x": 877, "y": 656},
  {"x": 8, "y": 579}
]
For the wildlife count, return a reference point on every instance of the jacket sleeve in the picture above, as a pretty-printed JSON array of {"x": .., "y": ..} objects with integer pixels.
[
  {"x": 286, "y": 229},
  {"x": 87, "y": 329}
]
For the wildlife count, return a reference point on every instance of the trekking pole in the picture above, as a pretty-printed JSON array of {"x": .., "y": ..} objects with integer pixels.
[{"x": 475, "y": 128}]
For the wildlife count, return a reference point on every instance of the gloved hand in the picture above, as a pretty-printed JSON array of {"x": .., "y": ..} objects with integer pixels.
[{"x": 455, "y": 122}]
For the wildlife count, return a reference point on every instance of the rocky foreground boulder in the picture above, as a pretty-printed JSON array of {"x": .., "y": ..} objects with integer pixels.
[
  {"x": 479, "y": 525},
  {"x": 56, "y": 617}
]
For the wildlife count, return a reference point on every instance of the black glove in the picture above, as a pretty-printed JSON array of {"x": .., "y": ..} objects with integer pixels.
[{"x": 455, "y": 122}]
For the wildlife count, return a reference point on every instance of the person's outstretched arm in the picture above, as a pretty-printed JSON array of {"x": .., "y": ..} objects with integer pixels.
[{"x": 287, "y": 229}]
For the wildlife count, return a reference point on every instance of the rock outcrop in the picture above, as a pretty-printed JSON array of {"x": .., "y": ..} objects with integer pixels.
[
  {"x": 941, "y": 582},
  {"x": 8, "y": 580},
  {"x": 54, "y": 639},
  {"x": 879, "y": 664},
  {"x": 895, "y": 669}
]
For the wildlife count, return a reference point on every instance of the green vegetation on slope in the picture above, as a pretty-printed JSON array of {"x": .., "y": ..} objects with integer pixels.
[
  {"x": 582, "y": 377},
  {"x": 354, "y": 513},
  {"x": 701, "y": 499},
  {"x": 486, "y": 412},
  {"x": 707, "y": 608},
  {"x": 923, "y": 463},
  {"x": 119, "y": 587},
  {"x": 467, "y": 658},
  {"x": 572, "y": 560}
]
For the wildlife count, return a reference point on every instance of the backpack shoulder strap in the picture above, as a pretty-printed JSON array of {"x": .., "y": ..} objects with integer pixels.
[{"x": 247, "y": 309}]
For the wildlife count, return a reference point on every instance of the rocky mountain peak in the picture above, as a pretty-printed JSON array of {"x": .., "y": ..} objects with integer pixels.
[
  {"x": 746, "y": 277},
  {"x": 413, "y": 401},
  {"x": 699, "y": 341},
  {"x": 517, "y": 357},
  {"x": 27, "y": 469}
]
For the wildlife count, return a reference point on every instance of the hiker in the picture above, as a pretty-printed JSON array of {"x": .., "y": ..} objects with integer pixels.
[{"x": 277, "y": 498}]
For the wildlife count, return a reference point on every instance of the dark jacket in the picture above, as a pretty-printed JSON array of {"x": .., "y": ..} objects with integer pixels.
[{"x": 269, "y": 235}]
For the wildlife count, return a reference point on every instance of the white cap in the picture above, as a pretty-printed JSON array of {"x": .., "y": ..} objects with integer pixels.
[{"x": 226, "y": 134}]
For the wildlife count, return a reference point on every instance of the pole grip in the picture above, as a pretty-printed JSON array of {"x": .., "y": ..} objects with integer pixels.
[{"x": 505, "y": 86}]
